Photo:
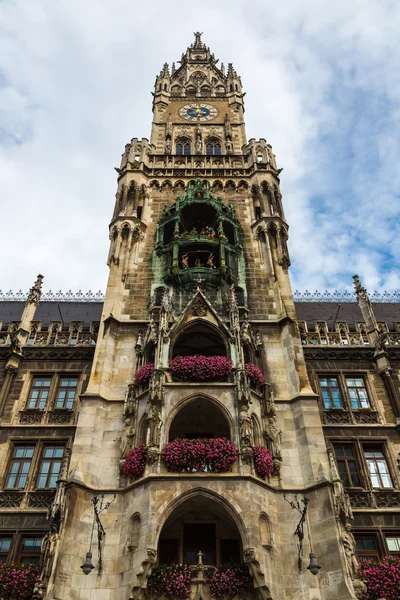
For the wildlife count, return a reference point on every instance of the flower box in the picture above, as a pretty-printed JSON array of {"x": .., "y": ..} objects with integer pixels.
[
  {"x": 200, "y": 368},
  {"x": 200, "y": 454}
]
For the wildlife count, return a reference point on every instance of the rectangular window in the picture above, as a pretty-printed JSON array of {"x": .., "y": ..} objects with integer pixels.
[
  {"x": 39, "y": 392},
  {"x": 366, "y": 548},
  {"x": 347, "y": 465},
  {"x": 19, "y": 467},
  {"x": 50, "y": 466},
  {"x": 393, "y": 544},
  {"x": 66, "y": 392},
  {"x": 357, "y": 392},
  {"x": 30, "y": 550},
  {"x": 377, "y": 468},
  {"x": 5, "y": 544},
  {"x": 331, "y": 392}
]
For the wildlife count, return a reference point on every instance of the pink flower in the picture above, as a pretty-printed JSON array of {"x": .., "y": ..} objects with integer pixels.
[
  {"x": 263, "y": 462},
  {"x": 200, "y": 368},
  {"x": 143, "y": 374},
  {"x": 254, "y": 373},
  {"x": 135, "y": 462}
]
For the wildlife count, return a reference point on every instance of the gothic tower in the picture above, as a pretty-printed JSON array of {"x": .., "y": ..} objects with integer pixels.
[{"x": 199, "y": 267}]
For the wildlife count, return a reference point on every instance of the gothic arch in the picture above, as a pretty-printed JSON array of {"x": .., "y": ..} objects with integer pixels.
[
  {"x": 208, "y": 328},
  {"x": 134, "y": 532},
  {"x": 256, "y": 429},
  {"x": 265, "y": 531},
  {"x": 228, "y": 507},
  {"x": 230, "y": 185},
  {"x": 166, "y": 184},
  {"x": 217, "y": 185},
  {"x": 179, "y": 185},
  {"x": 193, "y": 398},
  {"x": 142, "y": 430},
  {"x": 154, "y": 184}
]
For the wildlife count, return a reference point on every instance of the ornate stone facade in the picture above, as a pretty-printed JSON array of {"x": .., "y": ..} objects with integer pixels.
[{"x": 198, "y": 264}]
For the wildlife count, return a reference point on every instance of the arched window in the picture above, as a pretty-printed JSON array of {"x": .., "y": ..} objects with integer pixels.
[
  {"x": 213, "y": 146},
  {"x": 183, "y": 146}
]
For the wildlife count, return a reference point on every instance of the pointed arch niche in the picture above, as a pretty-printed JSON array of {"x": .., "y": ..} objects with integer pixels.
[
  {"x": 200, "y": 416},
  {"x": 199, "y": 337},
  {"x": 201, "y": 522}
]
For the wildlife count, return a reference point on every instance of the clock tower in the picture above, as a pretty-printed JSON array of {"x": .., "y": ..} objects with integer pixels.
[{"x": 199, "y": 428}]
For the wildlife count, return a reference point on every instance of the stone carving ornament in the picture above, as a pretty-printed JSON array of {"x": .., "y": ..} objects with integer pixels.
[
  {"x": 273, "y": 438},
  {"x": 154, "y": 423},
  {"x": 246, "y": 427},
  {"x": 349, "y": 546}
]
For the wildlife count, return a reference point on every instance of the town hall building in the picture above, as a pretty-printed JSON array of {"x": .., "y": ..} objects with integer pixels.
[{"x": 199, "y": 346}]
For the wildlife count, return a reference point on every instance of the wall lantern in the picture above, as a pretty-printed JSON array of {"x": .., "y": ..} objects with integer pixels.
[
  {"x": 98, "y": 508},
  {"x": 301, "y": 507}
]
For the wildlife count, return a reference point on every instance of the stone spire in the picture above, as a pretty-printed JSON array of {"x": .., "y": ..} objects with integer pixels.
[
  {"x": 366, "y": 309},
  {"x": 35, "y": 291},
  {"x": 198, "y": 44}
]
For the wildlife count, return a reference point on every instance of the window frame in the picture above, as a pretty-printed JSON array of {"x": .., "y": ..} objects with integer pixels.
[
  {"x": 342, "y": 375},
  {"x": 42, "y": 458},
  {"x": 355, "y": 458},
  {"x": 20, "y": 554},
  {"x": 364, "y": 387},
  {"x": 368, "y": 554},
  {"x": 32, "y": 387},
  {"x": 339, "y": 387},
  {"x": 14, "y": 447},
  {"x": 5, "y": 556},
  {"x": 58, "y": 387},
  {"x": 373, "y": 447},
  {"x": 184, "y": 143}
]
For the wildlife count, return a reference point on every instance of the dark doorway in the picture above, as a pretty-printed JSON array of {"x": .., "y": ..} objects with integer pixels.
[{"x": 199, "y": 537}]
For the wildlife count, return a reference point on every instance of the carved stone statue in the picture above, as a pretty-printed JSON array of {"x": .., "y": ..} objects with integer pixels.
[
  {"x": 35, "y": 291},
  {"x": 227, "y": 127},
  {"x": 245, "y": 333},
  {"x": 349, "y": 546},
  {"x": 198, "y": 144},
  {"x": 273, "y": 439},
  {"x": 127, "y": 437},
  {"x": 156, "y": 387},
  {"x": 246, "y": 427},
  {"x": 155, "y": 424},
  {"x": 168, "y": 146},
  {"x": 48, "y": 550}
]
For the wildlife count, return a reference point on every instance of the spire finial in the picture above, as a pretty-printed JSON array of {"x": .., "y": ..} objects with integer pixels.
[
  {"x": 361, "y": 292},
  {"x": 198, "y": 44},
  {"x": 35, "y": 291}
]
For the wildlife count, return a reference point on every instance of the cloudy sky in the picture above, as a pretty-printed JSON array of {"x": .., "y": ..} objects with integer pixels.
[{"x": 323, "y": 87}]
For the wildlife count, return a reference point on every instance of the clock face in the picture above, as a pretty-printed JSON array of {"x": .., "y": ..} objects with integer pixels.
[{"x": 198, "y": 112}]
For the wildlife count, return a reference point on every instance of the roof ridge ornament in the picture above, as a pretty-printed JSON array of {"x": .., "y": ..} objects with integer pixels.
[
  {"x": 198, "y": 44},
  {"x": 36, "y": 291}
]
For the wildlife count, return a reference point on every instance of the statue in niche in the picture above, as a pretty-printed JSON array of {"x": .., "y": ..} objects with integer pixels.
[
  {"x": 245, "y": 333},
  {"x": 198, "y": 144},
  {"x": 127, "y": 437},
  {"x": 227, "y": 127},
  {"x": 48, "y": 551},
  {"x": 210, "y": 261},
  {"x": 154, "y": 423},
  {"x": 229, "y": 147},
  {"x": 168, "y": 146},
  {"x": 246, "y": 427},
  {"x": 185, "y": 261},
  {"x": 273, "y": 439},
  {"x": 349, "y": 546}
]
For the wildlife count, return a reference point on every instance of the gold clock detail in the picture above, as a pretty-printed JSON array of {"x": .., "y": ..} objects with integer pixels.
[{"x": 198, "y": 112}]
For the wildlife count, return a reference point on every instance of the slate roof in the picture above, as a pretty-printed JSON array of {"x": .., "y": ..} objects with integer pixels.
[{"x": 89, "y": 312}]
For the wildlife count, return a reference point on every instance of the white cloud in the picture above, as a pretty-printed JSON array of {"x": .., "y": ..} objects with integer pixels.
[{"x": 323, "y": 86}]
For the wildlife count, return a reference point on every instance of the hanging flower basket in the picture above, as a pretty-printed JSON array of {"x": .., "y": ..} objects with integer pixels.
[
  {"x": 200, "y": 368},
  {"x": 381, "y": 578},
  {"x": 17, "y": 581},
  {"x": 263, "y": 462},
  {"x": 135, "y": 462},
  {"x": 226, "y": 582},
  {"x": 200, "y": 454},
  {"x": 255, "y": 374},
  {"x": 171, "y": 581},
  {"x": 143, "y": 374}
]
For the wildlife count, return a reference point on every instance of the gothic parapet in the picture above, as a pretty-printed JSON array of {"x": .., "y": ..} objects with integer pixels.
[{"x": 260, "y": 154}]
